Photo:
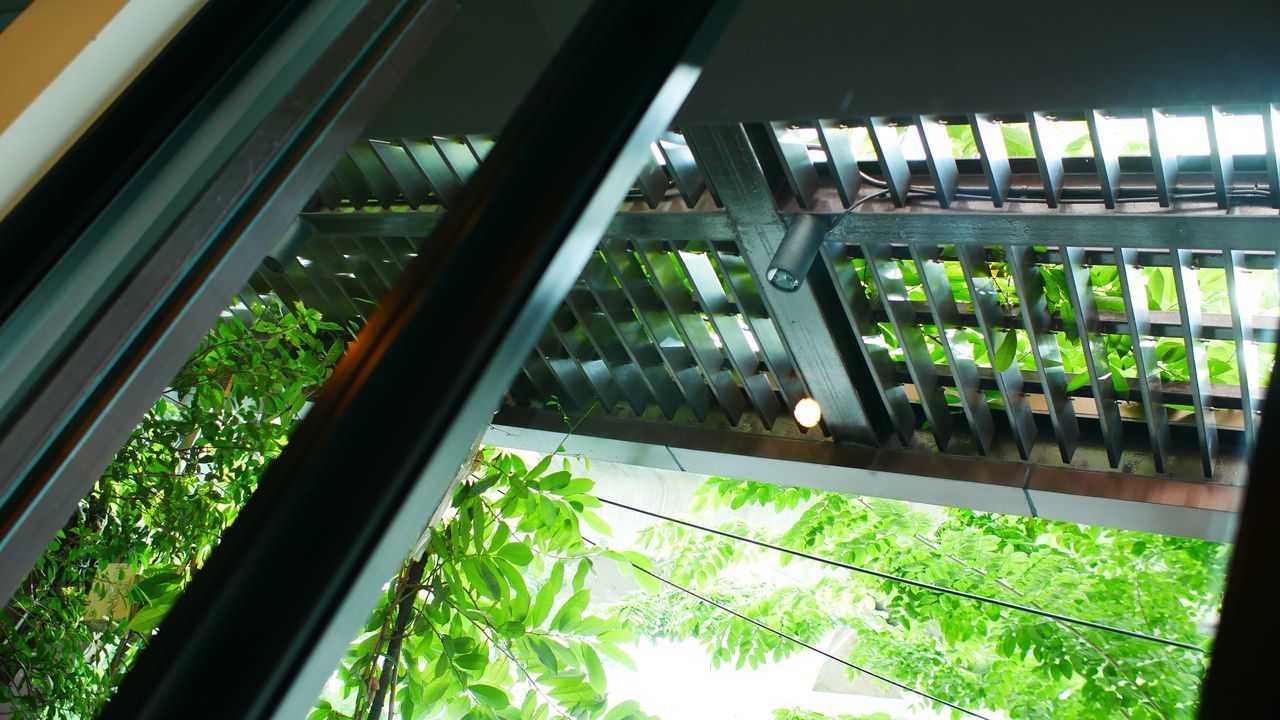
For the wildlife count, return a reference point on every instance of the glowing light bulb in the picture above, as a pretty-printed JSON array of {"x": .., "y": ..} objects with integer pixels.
[{"x": 808, "y": 412}]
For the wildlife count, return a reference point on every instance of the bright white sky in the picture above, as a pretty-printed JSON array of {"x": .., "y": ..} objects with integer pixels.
[{"x": 675, "y": 681}]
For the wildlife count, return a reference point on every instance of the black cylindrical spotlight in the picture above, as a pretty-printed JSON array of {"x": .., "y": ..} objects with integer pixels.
[
  {"x": 795, "y": 255},
  {"x": 289, "y": 246}
]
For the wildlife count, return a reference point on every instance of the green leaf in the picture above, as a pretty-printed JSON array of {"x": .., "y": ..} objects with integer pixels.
[
  {"x": 512, "y": 629},
  {"x": 500, "y": 535},
  {"x": 595, "y": 522},
  {"x": 640, "y": 560},
  {"x": 1005, "y": 352},
  {"x": 1155, "y": 291},
  {"x": 1118, "y": 380},
  {"x": 595, "y": 671},
  {"x": 490, "y": 695},
  {"x": 148, "y": 618},
  {"x": 434, "y": 691},
  {"x": 540, "y": 468},
  {"x": 575, "y": 486},
  {"x": 493, "y": 584},
  {"x": 647, "y": 582},
  {"x": 472, "y": 662},
  {"x": 570, "y": 612},
  {"x": 520, "y": 596},
  {"x": 545, "y": 654},
  {"x": 1077, "y": 146},
  {"x": 555, "y": 481},
  {"x": 1017, "y": 140},
  {"x": 515, "y": 552},
  {"x": 580, "y": 577},
  {"x": 1078, "y": 381},
  {"x": 546, "y": 597}
]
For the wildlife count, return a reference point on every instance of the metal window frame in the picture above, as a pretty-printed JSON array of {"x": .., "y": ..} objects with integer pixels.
[
  {"x": 153, "y": 271},
  {"x": 299, "y": 611}
]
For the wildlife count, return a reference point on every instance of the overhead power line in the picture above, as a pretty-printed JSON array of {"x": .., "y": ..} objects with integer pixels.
[
  {"x": 802, "y": 643},
  {"x": 914, "y": 583}
]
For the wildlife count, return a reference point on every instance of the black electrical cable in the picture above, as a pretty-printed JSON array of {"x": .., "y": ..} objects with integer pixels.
[
  {"x": 854, "y": 206},
  {"x": 908, "y": 581},
  {"x": 802, "y": 643}
]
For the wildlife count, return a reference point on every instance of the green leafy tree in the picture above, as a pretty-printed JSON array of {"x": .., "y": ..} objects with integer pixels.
[
  {"x": 488, "y": 618},
  {"x": 974, "y": 654},
  {"x": 99, "y": 591}
]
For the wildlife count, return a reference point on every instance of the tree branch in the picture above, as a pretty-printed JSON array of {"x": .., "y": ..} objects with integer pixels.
[{"x": 413, "y": 575}]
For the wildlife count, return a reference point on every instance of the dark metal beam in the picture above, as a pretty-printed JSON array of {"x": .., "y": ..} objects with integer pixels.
[
  {"x": 1270, "y": 130},
  {"x": 432, "y": 166},
  {"x": 724, "y": 318},
  {"x": 458, "y": 156},
  {"x": 1106, "y": 157},
  {"x": 725, "y": 155},
  {"x": 567, "y": 336},
  {"x": 938, "y": 156},
  {"x": 1164, "y": 161},
  {"x": 1084, "y": 492},
  {"x": 680, "y": 361},
  {"x": 798, "y": 169},
  {"x": 152, "y": 274},
  {"x": 652, "y": 183},
  {"x": 923, "y": 224},
  {"x": 1033, "y": 307},
  {"x": 666, "y": 281},
  {"x": 956, "y": 345},
  {"x": 380, "y": 182},
  {"x": 986, "y": 304},
  {"x": 299, "y": 611},
  {"x": 1219, "y": 396},
  {"x": 413, "y": 184},
  {"x": 1190, "y": 306},
  {"x": 1048, "y": 149},
  {"x": 1092, "y": 342},
  {"x": 747, "y": 296},
  {"x": 1222, "y": 163},
  {"x": 989, "y": 137},
  {"x": 1150, "y": 384},
  {"x": 617, "y": 354},
  {"x": 886, "y": 273},
  {"x": 684, "y": 171},
  {"x": 840, "y": 160},
  {"x": 851, "y": 290},
  {"x": 1243, "y": 330},
  {"x": 893, "y": 166},
  {"x": 351, "y": 182}
]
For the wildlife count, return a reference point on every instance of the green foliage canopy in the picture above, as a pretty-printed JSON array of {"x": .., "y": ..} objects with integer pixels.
[
  {"x": 489, "y": 620},
  {"x": 109, "y": 577},
  {"x": 974, "y": 654}
]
